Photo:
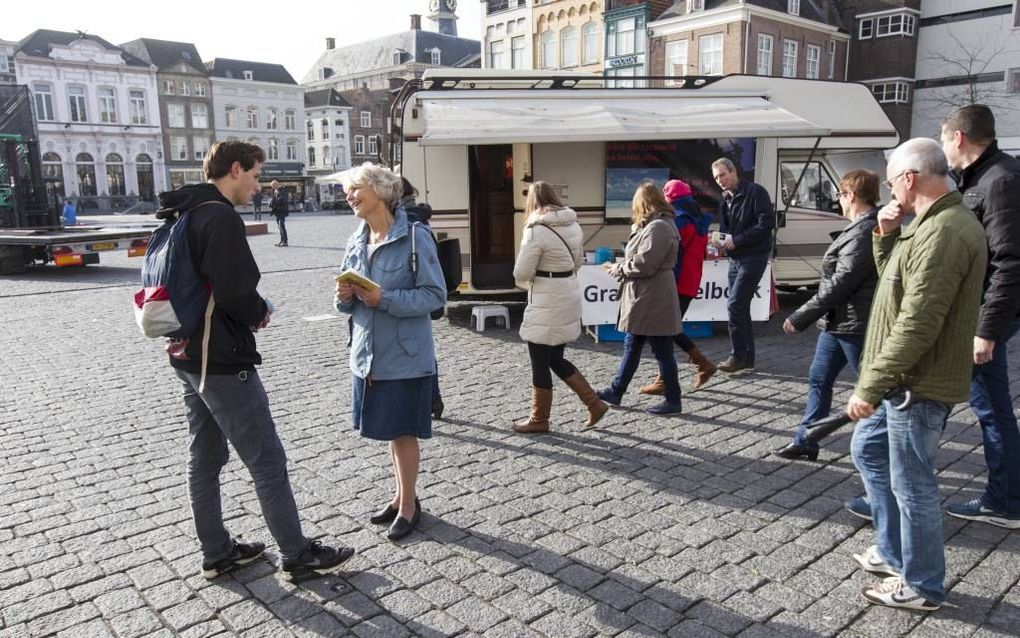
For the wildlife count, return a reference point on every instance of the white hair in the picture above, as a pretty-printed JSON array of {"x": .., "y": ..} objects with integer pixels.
[
  {"x": 727, "y": 162},
  {"x": 922, "y": 155},
  {"x": 385, "y": 183}
]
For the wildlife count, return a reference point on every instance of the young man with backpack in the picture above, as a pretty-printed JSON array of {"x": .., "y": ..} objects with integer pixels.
[{"x": 226, "y": 402}]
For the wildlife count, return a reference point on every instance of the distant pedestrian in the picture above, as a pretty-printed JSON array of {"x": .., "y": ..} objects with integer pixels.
[
  {"x": 649, "y": 308},
  {"x": 747, "y": 217},
  {"x": 234, "y": 408},
  {"x": 256, "y": 203},
  {"x": 841, "y": 305},
  {"x": 551, "y": 252},
  {"x": 279, "y": 205},
  {"x": 392, "y": 352},
  {"x": 70, "y": 213},
  {"x": 692, "y": 227}
]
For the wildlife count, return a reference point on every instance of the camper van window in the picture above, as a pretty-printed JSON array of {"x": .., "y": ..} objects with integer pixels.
[{"x": 817, "y": 189}]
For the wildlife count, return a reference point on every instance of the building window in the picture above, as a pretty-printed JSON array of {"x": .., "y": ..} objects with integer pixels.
[
  {"x": 676, "y": 58},
  {"x": 200, "y": 145},
  {"x": 5, "y": 65},
  {"x": 898, "y": 24},
  {"x": 326, "y": 161},
  {"x": 437, "y": 57},
  {"x": 107, "y": 106},
  {"x": 622, "y": 37},
  {"x": 359, "y": 144},
  {"x": 199, "y": 116},
  {"x": 832, "y": 59},
  {"x": 185, "y": 87},
  {"x": 169, "y": 87},
  {"x": 793, "y": 7},
  {"x": 175, "y": 115},
  {"x": 76, "y": 101},
  {"x": 891, "y": 92},
  {"x": 366, "y": 119},
  {"x": 291, "y": 150},
  {"x": 248, "y": 75},
  {"x": 53, "y": 175},
  {"x": 324, "y": 126},
  {"x": 86, "y": 169},
  {"x": 764, "y": 54},
  {"x": 230, "y": 114},
  {"x": 272, "y": 118},
  {"x": 200, "y": 89},
  {"x": 43, "y": 95},
  {"x": 136, "y": 99},
  {"x": 311, "y": 156},
  {"x": 115, "y": 175},
  {"x": 814, "y": 56},
  {"x": 273, "y": 153},
  {"x": 496, "y": 54},
  {"x": 288, "y": 120},
  {"x": 568, "y": 47},
  {"x": 253, "y": 117},
  {"x": 309, "y": 130},
  {"x": 179, "y": 148},
  {"x": 589, "y": 43},
  {"x": 710, "y": 56},
  {"x": 517, "y": 52},
  {"x": 1013, "y": 81},
  {"x": 789, "y": 58},
  {"x": 548, "y": 49},
  {"x": 373, "y": 144},
  {"x": 695, "y": 5},
  {"x": 867, "y": 29}
]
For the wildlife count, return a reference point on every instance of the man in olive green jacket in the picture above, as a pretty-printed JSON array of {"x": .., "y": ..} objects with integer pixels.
[{"x": 919, "y": 338}]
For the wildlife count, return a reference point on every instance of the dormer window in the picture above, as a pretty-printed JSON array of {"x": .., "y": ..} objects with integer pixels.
[
  {"x": 248, "y": 75},
  {"x": 793, "y": 7},
  {"x": 398, "y": 56},
  {"x": 437, "y": 57},
  {"x": 695, "y": 5},
  {"x": 186, "y": 55},
  {"x": 325, "y": 72}
]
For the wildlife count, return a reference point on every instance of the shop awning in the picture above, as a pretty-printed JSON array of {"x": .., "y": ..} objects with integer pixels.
[{"x": 452, "y": 119}]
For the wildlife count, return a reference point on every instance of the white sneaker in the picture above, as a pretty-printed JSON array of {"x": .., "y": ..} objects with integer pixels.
[
  {"x": 872, "y": 561},
  {"x": 893, "y": 592}
]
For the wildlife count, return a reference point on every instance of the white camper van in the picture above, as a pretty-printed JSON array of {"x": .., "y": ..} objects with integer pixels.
[{"x": 472, "y": 142}]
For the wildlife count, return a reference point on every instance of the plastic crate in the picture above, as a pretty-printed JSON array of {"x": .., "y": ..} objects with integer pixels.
[
  {"x": 608, "y": 332},
  {"x": 698, "y": 329}
]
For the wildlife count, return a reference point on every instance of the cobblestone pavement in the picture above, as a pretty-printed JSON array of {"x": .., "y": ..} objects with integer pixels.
[{"x": 645, "y": 526}]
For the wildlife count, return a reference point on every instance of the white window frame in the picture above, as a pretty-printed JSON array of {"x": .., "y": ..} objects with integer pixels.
[
  {"x": 106, "y": 96},
  {"x": 517, "y": 52},
  {"x": 793, "y": 7},
  {"x": 176, "y": 108},
  {"x": 291, "y": 150},
  {"x": 77, "y": 104},
  {"x": 179, "y": 148},
  {"x": 676, "y": 58},
  {"x": 763, "y": 64},
  {"x": 373, "y": 144},
  {"x": 309, "y": 131},
  {"x": 905, "y": 25},
  {"x": 618, "y": 42},
  {"x": 252, "y": 118},
  {"x": 200, "y": 146},
  {"x": 230, "y": 117},
  {"x": 569, "y": 46},
  {"x": 812, "y": 66},
  {"x": 891, "y": 92},
  {"x": 590, "y": 42},
  {"x": 5, "y": 65},
  {"x": 42, "y": 96},
  {"x": 272, "y": 119},
  {"x": 549, "y": 48},
  {"x": 359, "y": 144},
  {"x": 185, "y": 87},
  {"x": 137, "y": 106},
  {"x": 199, "y": 116},
  {"x": 366, "y": 119},
  {"x": 710, "y": 51},
  {"x": 199, "y": 89},
  {"x": 311, "y": 156},
  {"x": 1013, "y": 81},
  {"x": 866, "y": 25},
  {"x": 496, "y": 49},
  {"x": 248, "y": 75},
  {"x": 790, "y": 58},
  {"x": 289, "y": 120},
  {"x": 169, "y": 87},
  {"x": 695, "y": 5},
  {"x": 273, "y": 149},
  {"x": 832, "y": 59},
  {"x": 436, "y": 57}
]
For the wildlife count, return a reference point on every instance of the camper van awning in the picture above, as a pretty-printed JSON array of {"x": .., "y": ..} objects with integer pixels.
[{"x": 488, "y": 120}]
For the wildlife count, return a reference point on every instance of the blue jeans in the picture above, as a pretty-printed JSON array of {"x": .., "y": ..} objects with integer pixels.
[
  {"x": 662, "y": 348},
  {"x": 894, "y": 450},
  {"x": 990, "y": 400},
  {"x": 832, "y": 353},
  {"x": 744, "y": 275},
  {"x": 235, "y": 408},
  {"x": 281, "y": 223}
]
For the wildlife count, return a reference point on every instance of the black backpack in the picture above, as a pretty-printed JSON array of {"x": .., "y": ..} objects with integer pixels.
[{"x": 448, "y": 253}]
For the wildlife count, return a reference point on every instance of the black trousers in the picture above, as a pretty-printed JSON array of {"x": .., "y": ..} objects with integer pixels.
[
  {"x": 681, "y": 339},
  {"x": 545, "y": 358}
]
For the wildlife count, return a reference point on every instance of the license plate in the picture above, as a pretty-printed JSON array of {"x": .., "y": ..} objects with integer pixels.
[{"x": 106, "y": 245}]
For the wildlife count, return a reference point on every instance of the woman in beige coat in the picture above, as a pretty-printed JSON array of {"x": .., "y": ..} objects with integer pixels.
[
  {"x": 649, "y": 309},
  {"x": 549, "y": 258}
]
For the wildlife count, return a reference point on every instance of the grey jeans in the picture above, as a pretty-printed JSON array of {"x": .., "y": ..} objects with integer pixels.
[{"x": 235, "y": 408}]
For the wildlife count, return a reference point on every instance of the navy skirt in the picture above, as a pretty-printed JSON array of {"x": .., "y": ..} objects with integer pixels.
[{"x": 387, "y": 410}]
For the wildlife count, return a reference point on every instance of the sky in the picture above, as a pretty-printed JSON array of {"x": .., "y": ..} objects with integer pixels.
[{"x": 258, "y": 31}]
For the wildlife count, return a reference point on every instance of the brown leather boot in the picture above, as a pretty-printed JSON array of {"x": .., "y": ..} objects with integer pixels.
[
  {"x": 704, "y": 369},
  {"x": 655, "y": 387},
  {"x": 541, "y": 403},
  {"x": 597, "y": 408}
]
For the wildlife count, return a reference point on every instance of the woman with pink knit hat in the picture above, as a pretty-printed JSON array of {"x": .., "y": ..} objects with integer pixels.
[{"x": 692, "y": 226}]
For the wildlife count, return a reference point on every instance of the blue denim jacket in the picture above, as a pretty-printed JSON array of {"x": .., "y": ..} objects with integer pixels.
[{"x": 394, "y": 340}]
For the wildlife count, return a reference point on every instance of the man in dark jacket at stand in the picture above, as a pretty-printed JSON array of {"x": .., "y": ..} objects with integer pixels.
[
  {"x": 279, "y": 206},
  {"x": 233, "y": 407},
  {"x": 990, "y": 182},
  {"x": 748, "y": 218}
]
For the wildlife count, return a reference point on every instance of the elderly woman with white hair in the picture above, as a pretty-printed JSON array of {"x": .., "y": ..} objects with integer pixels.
[{"x": 392, "y": 354}]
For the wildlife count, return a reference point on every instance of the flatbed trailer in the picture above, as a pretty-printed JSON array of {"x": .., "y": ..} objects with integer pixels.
[{"x": 68, "y": 246}]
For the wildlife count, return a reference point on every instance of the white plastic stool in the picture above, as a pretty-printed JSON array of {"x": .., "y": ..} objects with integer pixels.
[{"x": 480, "y": 313}]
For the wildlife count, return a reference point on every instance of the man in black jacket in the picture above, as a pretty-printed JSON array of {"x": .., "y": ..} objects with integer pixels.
[
  {"x": 747, "y": 217},
  {"x": 990, "y": 182},
  {"x": 233, "y": 407},
  {"x": 279, "y": 205}
]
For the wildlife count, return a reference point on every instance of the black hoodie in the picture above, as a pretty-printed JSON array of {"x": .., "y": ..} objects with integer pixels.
[{"x": 223, "y": 260}]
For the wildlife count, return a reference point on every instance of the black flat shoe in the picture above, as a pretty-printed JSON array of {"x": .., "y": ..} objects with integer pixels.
[
  {"x": 402, "y": 527},
  {"x": 794, "y": 452},
  {"x": 387, "y": 514},
  {"x": 437, "y": 409}
]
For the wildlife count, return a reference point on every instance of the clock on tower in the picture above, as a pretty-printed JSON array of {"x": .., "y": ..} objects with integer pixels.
[{"x": 442, "y": 13}]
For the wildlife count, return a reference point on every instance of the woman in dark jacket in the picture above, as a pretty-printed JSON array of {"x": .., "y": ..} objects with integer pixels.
[{"x": 840, "y": 306}]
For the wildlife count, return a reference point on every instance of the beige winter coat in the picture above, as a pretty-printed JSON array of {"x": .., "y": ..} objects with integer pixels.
[
  {"x": 553, "y": 314},
  {"x": 648, "y": 300}
]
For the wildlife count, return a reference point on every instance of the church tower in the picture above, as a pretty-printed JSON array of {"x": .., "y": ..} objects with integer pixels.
[{"x": 443, "y": 14}]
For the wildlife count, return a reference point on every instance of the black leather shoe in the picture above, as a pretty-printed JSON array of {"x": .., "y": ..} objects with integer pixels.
[
  {"x": 437, "y": 408},
  {"x": 401, "y": 527},
  {"x": 794, "y": 452},
  {"x": 387, "y": 514}
]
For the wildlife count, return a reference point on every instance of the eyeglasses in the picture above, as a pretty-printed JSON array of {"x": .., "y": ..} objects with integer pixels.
[{"x": 889, "y": 182}]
